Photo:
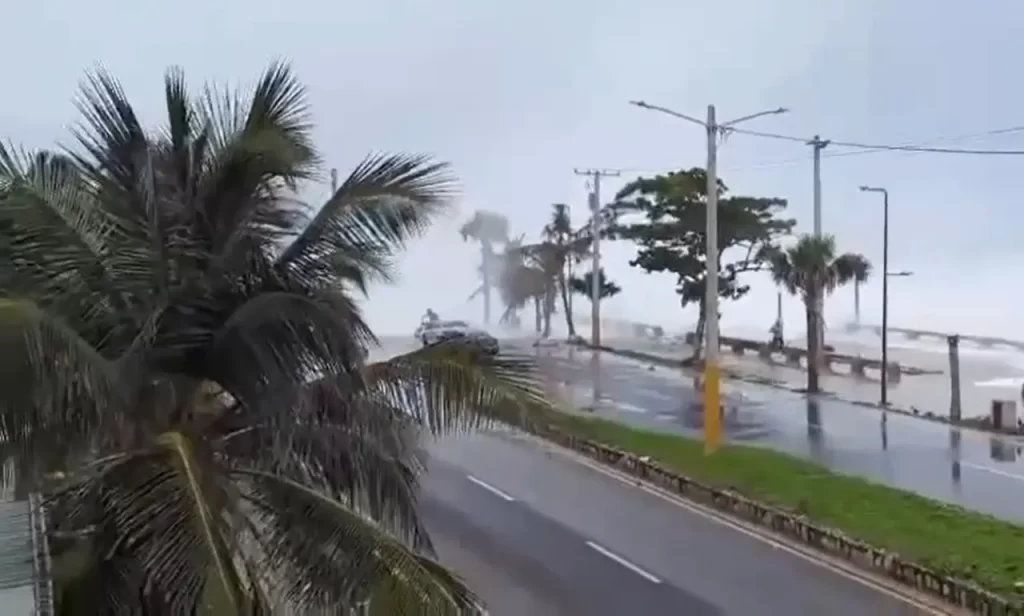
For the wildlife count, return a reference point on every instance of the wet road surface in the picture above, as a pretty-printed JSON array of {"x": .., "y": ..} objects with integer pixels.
[
  {"x": 965, "y": 467},
  {"x": 535, "y": 532}
]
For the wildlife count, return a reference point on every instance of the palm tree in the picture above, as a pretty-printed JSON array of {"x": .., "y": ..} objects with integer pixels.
[
  {"x": 566, "y": 247},
  {"x": 522, "y": 282},
  {"x": 489, "y": 229},
  {"x": 811, "y": 269},
  {"x": 530, "y": 275},
  {"x": 185, "y": 364},
  {"x": 863, "y": 272},
  {"x": 584, "y": 285}
]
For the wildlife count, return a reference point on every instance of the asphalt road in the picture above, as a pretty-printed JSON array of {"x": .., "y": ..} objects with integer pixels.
[
  {"x": 964, "y": 467},
  {"x": 535, "y": 532}
]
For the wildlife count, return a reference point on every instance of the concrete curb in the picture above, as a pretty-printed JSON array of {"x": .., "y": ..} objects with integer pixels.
[
  {"x": 739, "y": 376},
  {"x": 830, "y": 542}
]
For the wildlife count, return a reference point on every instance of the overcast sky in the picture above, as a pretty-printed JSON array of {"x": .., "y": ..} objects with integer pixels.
[{"x": 516, "y": 94}]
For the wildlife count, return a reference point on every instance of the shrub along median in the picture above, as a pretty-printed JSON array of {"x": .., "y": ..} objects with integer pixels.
[{"x": 950, "y": 540}]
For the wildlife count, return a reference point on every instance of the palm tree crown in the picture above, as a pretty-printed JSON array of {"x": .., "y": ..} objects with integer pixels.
[
  {"x": 811, "y": 269},
  {"x": 811, "y": 266},
  {"x": 185, "y": 358}
]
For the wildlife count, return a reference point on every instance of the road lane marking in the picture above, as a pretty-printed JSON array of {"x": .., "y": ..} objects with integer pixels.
[
  {"x": 833, "y": 565},
  {"x": 622, "y": 561},
  {"x": 994, "y": 471},
  {"x": 493, "y": 490}
]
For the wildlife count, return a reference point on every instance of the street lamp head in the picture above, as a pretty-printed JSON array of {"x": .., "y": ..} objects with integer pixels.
[
  {"x": 639, "y": 103},
  {"x": 781, "y": 110}
]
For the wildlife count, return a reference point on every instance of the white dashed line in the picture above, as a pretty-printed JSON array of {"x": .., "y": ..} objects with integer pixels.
[
  {"x": 490, "y": 488},
  {"x": 846, "y": 570},
  {"x": 622, "y": 561}
]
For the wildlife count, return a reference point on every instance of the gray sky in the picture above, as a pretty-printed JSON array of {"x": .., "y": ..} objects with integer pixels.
[{"x": 517, "y": 94}]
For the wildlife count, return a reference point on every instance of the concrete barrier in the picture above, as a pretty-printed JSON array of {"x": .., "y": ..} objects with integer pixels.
[
  {"x": 796, "y": 357},
  {"x": 955, "y": 592}
]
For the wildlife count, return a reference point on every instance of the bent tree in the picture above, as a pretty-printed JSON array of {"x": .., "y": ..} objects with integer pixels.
[
  {"x": 185, "y": 367},
  {"x": 671, "y": 234}
]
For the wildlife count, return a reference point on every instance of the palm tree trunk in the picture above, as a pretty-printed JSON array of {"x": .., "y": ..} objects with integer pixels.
[
  {"x": 487, "y": 258},
  {"x": 563, "y": 284},
  {"x": 537, "y": 314},
  {"x": 813, "y": 344},
  {"x": 549, "y": 307}
]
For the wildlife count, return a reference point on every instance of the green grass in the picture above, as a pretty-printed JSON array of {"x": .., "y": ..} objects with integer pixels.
[{"x": 942, "y": 537}]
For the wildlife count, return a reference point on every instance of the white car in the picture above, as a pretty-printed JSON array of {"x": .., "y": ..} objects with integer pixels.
[{"x": 431, "y": 333}]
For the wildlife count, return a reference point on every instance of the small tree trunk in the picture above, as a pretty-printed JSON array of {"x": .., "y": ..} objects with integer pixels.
[
  {"x": 698, "y": 335},
  {"x": 563, "y": 286},
  {"x": 487, "y": 259},
  {"x": 549, "y": 308},
  {"x": 537, "y": 318},
  {"x": 813, "y": 346}
]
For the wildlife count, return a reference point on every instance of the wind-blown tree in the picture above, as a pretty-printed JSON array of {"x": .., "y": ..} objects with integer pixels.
[
  {"x": 584, "y": 285},
  {"x": 534, "y": 277},
  {"x": 522, "y": 282},
  {"x": 862, "y": 273},
  {"x": 488, "y": 229},
  {"x": 185, "y": 366},
  {"x": 812, "y": 270},
  {"x": 563, "y": 246},
  {"x": 672, "y": 236}
]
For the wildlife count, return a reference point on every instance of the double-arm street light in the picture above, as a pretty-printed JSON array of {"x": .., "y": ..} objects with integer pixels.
[
  {"x": 712, "y": 399},
  {"x": 884, "y": 393}
]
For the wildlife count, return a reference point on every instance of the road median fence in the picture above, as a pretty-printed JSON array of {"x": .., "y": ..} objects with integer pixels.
[{"x": 959, "y": 593}]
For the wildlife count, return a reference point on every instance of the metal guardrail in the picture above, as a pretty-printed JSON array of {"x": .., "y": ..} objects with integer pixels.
[{"x": 42, "y": 563}]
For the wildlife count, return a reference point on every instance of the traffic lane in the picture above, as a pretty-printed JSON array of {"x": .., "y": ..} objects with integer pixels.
[
  {"x": 735, "y": 573},
  {"x": 505, "y": 581},
  {"x": 561, "y": 570},
  {"x": 903, "y": 452}
]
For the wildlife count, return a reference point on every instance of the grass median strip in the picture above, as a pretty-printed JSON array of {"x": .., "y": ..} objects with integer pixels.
[{"x": 948, "y": 539}]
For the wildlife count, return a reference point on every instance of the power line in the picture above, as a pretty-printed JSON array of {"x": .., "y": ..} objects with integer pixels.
[
  {"x": 890, "y": 147},
  {"x": 907, "y": 149}
]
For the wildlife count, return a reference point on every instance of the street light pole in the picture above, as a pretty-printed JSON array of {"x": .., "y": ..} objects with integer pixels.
[
  {"x": 712, "y": 376},
  {"x": 884, "y": 393}
]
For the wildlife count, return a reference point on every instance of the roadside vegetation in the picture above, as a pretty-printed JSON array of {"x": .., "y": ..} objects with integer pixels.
[{"x": 948, "y": 539}]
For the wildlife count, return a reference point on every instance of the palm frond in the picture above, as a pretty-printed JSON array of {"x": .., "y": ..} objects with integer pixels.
[
  {"x": 449, "y": 387},
  {"x": 337, "y": 544},
  {"x": 384, "y": 202}
]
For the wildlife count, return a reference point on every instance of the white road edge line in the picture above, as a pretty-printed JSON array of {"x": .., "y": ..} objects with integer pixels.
[
  {"x": 622, "y": 561},
  {"x": 493, "y": 490},
  {"x": 844, "y": 570},
  {"x": 994, "y": 471}
]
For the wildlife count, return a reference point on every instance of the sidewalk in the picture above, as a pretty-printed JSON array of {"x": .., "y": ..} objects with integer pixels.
[{"x": 925, "y": 393}]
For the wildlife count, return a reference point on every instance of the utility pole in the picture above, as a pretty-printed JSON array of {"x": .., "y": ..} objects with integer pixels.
[
  {"x": 817, "y": 144},
  {"x": 334, "y": 181},
  {"x": 595, "y": 176},
  {"x": 712, "y": 397}
]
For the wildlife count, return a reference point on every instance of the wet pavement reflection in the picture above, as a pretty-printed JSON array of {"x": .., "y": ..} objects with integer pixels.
[{"x": 976, "y": 470}]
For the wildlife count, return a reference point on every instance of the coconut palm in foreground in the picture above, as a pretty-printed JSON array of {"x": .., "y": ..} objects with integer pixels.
[
  {"x": 812, "y": 270},
  {"x": 184, "y": 355}
]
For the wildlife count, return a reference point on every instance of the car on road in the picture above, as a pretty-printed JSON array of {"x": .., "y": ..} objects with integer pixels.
[{"x": 444, "y": 331}]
